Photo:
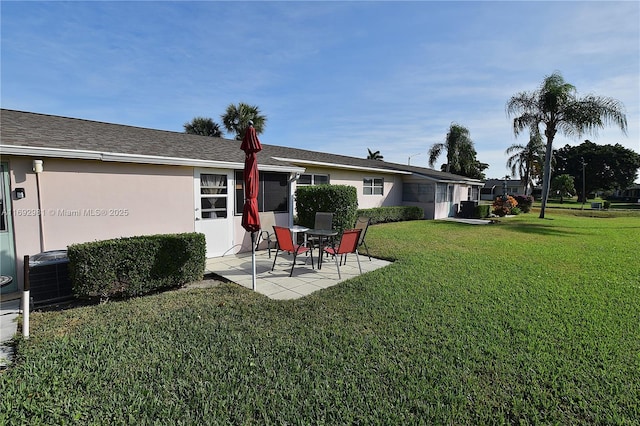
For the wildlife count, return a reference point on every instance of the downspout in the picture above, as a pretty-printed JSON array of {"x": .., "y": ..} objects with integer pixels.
[
  {"x": 37, "y": 168},
  {"x": 293, "y": 179}
]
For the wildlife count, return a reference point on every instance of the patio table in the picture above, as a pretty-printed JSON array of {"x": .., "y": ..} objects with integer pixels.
[
  {"x": 323, "y": 235},
  {"x": 5, "y": 280},
  {"x": 294, "y": 231}
]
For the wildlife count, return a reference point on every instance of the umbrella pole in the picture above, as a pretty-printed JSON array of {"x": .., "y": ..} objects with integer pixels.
[{"x": 253, "y": 260}]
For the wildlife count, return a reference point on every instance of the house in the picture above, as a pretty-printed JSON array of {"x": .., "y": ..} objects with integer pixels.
[
  {"x": 630, "y": 194},
  {"x": 496, "y": 187},
  {"x": 68, "y": 180}
]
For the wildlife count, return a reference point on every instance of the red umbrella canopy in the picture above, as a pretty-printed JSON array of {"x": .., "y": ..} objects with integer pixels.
[{"x": 251, "y": 145}]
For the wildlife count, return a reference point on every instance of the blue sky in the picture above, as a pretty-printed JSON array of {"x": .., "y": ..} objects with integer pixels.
[{"x": 339, "y": 77}]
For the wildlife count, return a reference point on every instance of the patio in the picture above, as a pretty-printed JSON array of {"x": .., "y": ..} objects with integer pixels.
[{"x": 277, "y": 284}]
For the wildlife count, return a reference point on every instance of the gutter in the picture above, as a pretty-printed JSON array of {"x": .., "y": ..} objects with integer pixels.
[
  {"x": 341, "y": 166},
  {"x": 134, "y": 158}
]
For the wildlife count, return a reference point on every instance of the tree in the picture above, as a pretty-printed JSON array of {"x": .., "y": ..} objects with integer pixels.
[
  {"x": 203, "y": 126},
  {"x": 237, "y": 118},
  {"x": 461, "y": 155},
  {"x": 606, "y": 167},
  {"x": 374, "y": 155},
  {"x": 527, "y": 161},
  {"x": 556, "y": 106},
  {"x": 564, "y": 184}
]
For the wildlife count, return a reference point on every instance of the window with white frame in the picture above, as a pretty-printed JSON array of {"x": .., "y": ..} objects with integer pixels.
[
  {"x": 443, "y": 194},
  {"x": 213, "y": 196},
  {"x": 308, "y": 179},
  {"x": 373, "y": 186}
]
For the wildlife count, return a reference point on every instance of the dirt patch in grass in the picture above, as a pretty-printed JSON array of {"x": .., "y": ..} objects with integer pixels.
[{"x": 208, "y": 281}]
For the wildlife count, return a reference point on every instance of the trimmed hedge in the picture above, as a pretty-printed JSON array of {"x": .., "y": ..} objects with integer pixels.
[
  {"x": 341, "y": 200},
  {"x": 392, "y": 214},
  {"x": 481, "y": 211},
  {"x": 137, "y": 265}
]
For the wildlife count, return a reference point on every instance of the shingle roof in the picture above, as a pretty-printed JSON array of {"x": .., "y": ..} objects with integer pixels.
[{"x": 33, "y": 130}]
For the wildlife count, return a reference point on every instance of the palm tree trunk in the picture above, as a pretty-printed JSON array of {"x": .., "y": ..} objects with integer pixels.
[{"x": 546, "y": 177}]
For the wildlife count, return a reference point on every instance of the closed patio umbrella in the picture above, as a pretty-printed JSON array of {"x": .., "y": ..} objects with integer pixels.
[{"x": 250, "y": 216}]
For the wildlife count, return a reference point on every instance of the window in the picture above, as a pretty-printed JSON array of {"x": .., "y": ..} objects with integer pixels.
[
  {"x": 473, "y": 193},
  {"x": 313, "y": 179},
  {"x": 372, "y": 186},
  {"x": 213, "y": 196},
  {"x": 3, "y": 207},
  {"x": 443, "y": 194},
  {"x": 418, "y": 192},
  {"x": 273, "y": 195}
]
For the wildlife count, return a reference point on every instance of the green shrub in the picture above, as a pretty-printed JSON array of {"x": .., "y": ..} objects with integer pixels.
[
  {"x": 481, "y": 211},
  {"x": 341, "y": 200},
  {"x": 524, "y": 202},
  {"x": 136, "y": 265},
  {"x": 607, "y": 204},
  {"x": 515, "y": 211},
  {"x": 392, "y": 214}
]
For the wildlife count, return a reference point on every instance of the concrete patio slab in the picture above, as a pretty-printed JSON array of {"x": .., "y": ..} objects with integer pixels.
[
  {"x": 277, "y": 284},
  {"x": 9, "y": 311}
]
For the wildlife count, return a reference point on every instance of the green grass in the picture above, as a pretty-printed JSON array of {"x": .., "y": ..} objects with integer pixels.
[
  {"x": 573, "y": 203},
  {"x": 527, "y": 321}
]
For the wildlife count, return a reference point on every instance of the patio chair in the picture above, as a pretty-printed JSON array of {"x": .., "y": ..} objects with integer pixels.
[
  {"x": 285, "y": 243},
  {"x": 362, "y": 223},
  {"x": 267, "y": 221},
  {"x": 323, "y": 220},
  {"x": 348, "y": 244}
]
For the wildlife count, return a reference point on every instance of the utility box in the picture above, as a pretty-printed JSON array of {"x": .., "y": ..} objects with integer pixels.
[
  {"x": 468, "y": 208},
  {"x": 49, "y": 277}
]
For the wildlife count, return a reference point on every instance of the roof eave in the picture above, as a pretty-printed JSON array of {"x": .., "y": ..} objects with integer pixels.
[
  {"x": 133, "y": 158},
  {"x": 340, "y": 166}
]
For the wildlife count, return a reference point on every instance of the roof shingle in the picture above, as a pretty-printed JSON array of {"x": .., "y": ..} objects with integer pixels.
[{"x": 33, "y": 130}]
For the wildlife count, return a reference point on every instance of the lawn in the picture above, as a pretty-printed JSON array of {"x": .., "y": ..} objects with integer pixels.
[{"x": 526, "y": 321}]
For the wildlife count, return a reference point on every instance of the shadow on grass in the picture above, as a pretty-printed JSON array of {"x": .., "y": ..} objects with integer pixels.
[{"x": 539, "y": 229}]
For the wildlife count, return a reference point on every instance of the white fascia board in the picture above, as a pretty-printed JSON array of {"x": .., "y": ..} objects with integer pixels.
[
  {"x": 133, "y": 158},
  {"x": 341, "y": 166},
  {"x": 462, "y": 182}
]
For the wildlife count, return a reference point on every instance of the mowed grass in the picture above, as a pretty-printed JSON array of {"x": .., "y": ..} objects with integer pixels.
[{"x": 529, "y": 321}]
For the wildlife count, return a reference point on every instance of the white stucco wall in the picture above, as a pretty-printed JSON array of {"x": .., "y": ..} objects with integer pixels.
[
  {"x": 90, "y": 200},
  {"x": 392, "y": 192}
]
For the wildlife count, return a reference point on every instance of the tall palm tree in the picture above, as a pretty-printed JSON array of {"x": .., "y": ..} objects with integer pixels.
[
  {"x": 461, "y": 155},
  {"x": 203, "y": 126},
  {"x": 556, "y": 105},
  {"x": 237, "y": 117},
  {"x": 527, "y": 160},
  {"x": 374, "y": 155}
]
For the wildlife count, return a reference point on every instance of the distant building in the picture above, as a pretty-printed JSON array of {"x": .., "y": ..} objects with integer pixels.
[
  {"x": 495, "y": 187},
  {"x": 631, "y": 194}
]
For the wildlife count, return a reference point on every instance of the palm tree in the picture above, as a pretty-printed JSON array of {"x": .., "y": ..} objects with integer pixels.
[
  {"x": 237, "y": 118},
  {"x": 203, "y": 126},
  {"x": 374, "y": 155},
  {"x": 461, "y": 155},
  {"x": 527, "y": 160},
  {"x": 556, "y": 106}
]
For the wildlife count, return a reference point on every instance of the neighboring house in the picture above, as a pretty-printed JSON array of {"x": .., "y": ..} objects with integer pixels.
[
  {"x": 631, "y": 194},
  {"x": 67, "y": 180},
  {"x": 496, "y": 187}
]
